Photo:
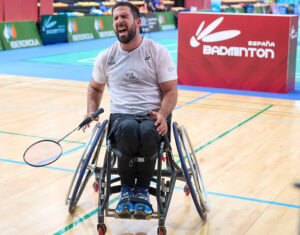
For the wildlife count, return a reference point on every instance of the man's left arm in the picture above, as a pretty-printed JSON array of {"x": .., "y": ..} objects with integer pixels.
[{"x": 169, "y": 101}]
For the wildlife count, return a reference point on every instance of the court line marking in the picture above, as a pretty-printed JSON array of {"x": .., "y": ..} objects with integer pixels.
[
  {"x": 40, "y": 137},
  {"x": 242, "y": 109},
  {"x": 238, "y": 197},
  {"x": 39, "y": 108},
  {"x": 255, "y": 200},
  {"x": 26, "y": 83},
  {"x": 87, "y": 216},
  {"x": 176, "y": 187},
  {"x": 233, "y": 128},
  {"x": 238, "y": 117},
  {"x": 250, "y": 102},
  {"x": 62, "y": 154},
  {"x": 193, "y": 101},
  {"x": 79, "y": 92},
  {"x": 49, "y": 167},
  {"x": 66, "y": 92}
]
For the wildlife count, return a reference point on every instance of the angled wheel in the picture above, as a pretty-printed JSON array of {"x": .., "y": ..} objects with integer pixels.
[
  {"x": 191, "y": 170},
  {"x": 87, "y": 165},
  {"x": 81, "y": 161}
]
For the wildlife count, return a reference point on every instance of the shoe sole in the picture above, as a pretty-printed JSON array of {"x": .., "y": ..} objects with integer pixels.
[
  {"x": 140, "y": 213},
  {"x": 125, "y": 210}
]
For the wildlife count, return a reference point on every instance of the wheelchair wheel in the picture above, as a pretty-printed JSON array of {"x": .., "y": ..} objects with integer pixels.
[
  {"x": 87, "y": 166},
  {"x": 82, "y": 158},
  {"x": 193, "y": 174}
]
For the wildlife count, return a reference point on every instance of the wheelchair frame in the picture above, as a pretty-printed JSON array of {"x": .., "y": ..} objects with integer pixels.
[{"x": 106, "y": 184}]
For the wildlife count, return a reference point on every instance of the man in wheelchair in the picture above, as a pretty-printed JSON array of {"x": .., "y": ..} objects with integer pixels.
[{"x": 142, "y": 82}]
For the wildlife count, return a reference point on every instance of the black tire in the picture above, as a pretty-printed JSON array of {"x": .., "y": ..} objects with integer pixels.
[
  {"x": 197, "y": 201},
  {"x": 85, "y": 171}
]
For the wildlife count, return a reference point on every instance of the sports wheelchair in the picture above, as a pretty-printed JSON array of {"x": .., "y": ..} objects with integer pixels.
[{"x": 107, "y": 180}]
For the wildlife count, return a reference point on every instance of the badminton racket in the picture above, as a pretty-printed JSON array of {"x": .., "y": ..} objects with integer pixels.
[{"x": 45, "y": 152}]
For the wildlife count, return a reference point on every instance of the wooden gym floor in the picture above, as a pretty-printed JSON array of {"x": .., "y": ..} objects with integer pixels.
[{"x": 247, "y": 147}]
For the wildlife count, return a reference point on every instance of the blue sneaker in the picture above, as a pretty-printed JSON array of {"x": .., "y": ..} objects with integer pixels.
[
  {"x": 142, "y": 206},
  {"x": 125, "y": 207}
]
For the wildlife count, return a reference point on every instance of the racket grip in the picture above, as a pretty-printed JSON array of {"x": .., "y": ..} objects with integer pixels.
[{"x": 94, "y": 115}]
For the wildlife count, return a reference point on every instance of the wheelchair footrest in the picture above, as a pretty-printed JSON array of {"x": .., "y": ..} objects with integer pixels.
[
  {"x": 134, "y": 208},
  {"x": 147, "y": 217}
]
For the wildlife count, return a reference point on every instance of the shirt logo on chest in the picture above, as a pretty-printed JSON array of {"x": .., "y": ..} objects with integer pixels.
[
  {"x": 147, "y": 58},
  {"x": 111, "y": 60},
  {"x": 131, "y": 76}
]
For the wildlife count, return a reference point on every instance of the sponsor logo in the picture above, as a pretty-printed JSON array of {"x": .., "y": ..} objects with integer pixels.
[
  {"x": 72, "y": 26},
  {"x": 106, "y": 34},
  {"x": 131, "y": 76},
  {"x": 48, "y": 24},
  {"x": 49, "y": 27},
  {"x": 293, "y": 34},
  {"x": 98, "y": 24},
  {"x": 161, "y": 19},
  {"x": 24, "y": 43},
  {"x": 10, "y": 32},
  {"x": 111, "y": 60},
  {"x": 205, "y": 36},
  {"x": 83, "y": 36},
  {"x": 147, "y": 58},
  {"x": 238, "y": 51},
  {"x": 168, "y": 27}
]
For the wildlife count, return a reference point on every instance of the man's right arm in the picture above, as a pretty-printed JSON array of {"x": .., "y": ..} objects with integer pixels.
[{"x": 94, "y": 97}]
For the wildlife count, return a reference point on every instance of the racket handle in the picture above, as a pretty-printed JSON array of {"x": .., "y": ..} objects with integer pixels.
[{"x": 94, "y": 115}]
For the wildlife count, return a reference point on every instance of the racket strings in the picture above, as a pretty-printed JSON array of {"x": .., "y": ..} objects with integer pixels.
[{"x": 43, "y": 153}]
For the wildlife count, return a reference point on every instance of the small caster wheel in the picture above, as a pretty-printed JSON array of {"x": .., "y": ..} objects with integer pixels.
[
  {"x": 161, "y": 231},
  {"x": 96, "y": 186},
  {"x": 186, "y": 190},
  {"x": 101, "y": 229}
]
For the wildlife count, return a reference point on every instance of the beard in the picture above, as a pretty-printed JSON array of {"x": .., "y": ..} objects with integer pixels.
[{"x": 131, "y": 32}]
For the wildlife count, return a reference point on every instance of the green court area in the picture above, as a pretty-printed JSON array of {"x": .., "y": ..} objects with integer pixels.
[{"x": 88, "y": 57}]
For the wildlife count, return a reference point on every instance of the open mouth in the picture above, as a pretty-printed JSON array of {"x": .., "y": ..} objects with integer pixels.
[{"x": 122, "y": 31}]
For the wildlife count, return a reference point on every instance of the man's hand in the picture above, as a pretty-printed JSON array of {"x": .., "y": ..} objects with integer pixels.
[
  {"x": 160, "y": 122},
  {"x": 89, "y": 115}
]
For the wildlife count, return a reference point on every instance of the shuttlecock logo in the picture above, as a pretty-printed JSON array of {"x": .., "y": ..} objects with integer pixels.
[
  {"x": 205, "y": 36},
  {"x": 48, "y": 24},
  {"x": 72, "y": 26},
  {"x": 98, "y": 24},
  {"x": 293, "y": 33},
  {"x": 161, "y": 19},
  {"x": 9, "y": 31}
]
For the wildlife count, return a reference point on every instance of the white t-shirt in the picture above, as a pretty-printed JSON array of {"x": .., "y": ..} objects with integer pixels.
[{"x": 133, "y": 77}]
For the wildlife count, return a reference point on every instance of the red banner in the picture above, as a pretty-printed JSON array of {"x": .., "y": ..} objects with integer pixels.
[
  {"x": 20, "y": 10},
  {"x": 1, "y": 10},
  {"x": 46, "y": 8},
  {"x": 237, "y": 51}
]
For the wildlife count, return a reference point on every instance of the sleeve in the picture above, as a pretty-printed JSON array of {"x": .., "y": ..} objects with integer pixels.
[
  {"x": 166, "y": 70},
  {"x": 99, "y": 73}
]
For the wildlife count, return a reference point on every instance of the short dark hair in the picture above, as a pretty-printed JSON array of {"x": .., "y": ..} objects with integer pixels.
[{"x": 134, "y": 10}]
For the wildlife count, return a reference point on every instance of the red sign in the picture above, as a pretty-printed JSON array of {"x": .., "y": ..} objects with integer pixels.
[{"x": 238, "y": 51}]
